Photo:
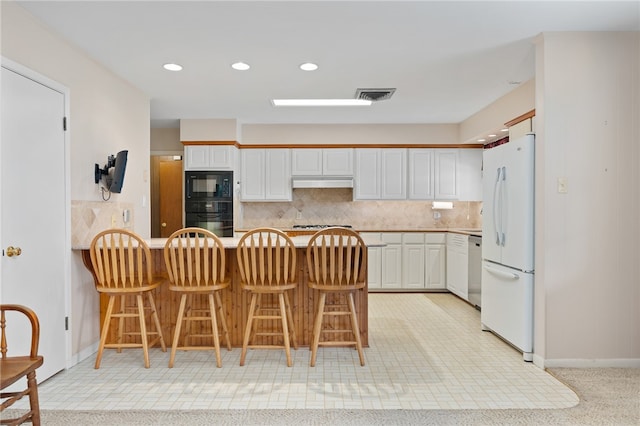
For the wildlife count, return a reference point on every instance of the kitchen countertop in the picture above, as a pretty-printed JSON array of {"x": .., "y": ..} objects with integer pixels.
[
  {"x": 465, "y": 231},
  {"x": 299, "y": 241}
]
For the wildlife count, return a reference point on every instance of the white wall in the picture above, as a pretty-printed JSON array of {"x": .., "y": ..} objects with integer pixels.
[
  {"x": 588, "y": 240},
  {"x": 515, "y": 103},
  {"x": 349, "y": 134},
  {"x": 107, "y": 115}
]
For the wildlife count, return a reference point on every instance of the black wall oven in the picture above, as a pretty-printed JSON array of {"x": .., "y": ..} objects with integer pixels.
[{"x": 209, "y": 201}]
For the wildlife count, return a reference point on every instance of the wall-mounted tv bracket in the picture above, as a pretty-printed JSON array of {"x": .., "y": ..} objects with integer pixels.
[{"x": 98, "y": 172}]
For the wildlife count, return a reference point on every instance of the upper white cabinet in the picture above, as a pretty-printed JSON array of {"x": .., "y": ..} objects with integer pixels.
[
  {"x": 470, "y": 174},
  {"x": 446, "y": 174},
  {"x": 380, "y": 174},
  {"x": 209, "y": 157},
  {"x": 265, "y": 175},
  {"x": 421, "y": 175},
  {"x": 322, "y": 162}
]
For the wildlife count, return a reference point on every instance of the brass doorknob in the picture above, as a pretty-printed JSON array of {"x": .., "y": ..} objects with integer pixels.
[
  {"x": 164, "y": 224},
  {"x": 13, "y": 251}
]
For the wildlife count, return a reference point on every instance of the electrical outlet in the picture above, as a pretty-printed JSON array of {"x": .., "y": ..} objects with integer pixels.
[
  {"x": 299, "y": 214},
  {"x": 113, "y": 221}
]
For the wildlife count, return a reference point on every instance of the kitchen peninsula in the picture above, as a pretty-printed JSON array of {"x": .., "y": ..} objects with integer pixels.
[{"x": 236, "y": 301}]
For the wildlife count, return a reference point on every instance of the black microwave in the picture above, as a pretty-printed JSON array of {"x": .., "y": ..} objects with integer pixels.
[{"x": 209, "y": 185}]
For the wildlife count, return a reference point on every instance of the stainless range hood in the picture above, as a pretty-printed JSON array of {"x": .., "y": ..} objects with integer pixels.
[{"x": 322, "y": 182}]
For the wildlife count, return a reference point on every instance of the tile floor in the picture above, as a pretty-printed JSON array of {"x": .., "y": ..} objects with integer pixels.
[{"x": 426, "y": 352}]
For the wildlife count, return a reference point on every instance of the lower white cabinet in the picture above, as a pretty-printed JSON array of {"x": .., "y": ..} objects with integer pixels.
[
  {"x": 413, "y": 260},
  {"x": 435, "y": 258},
  {"x": 409, "y": 261},
  {"x": 458, "y": 265},
  {"x": 385, "y": 263},
  {"x": 391, "y": 260}
]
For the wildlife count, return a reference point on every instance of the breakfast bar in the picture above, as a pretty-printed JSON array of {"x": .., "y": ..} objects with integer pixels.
[{"x": 236, "y": 301}]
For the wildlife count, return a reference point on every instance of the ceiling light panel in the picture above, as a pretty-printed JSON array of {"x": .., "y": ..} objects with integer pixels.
[
  {"x": 320, "y": 102},
  {"x": 172, "y": 67},
  {"x": 308, "y": 66},
  {"x": 240, "y": 66}
]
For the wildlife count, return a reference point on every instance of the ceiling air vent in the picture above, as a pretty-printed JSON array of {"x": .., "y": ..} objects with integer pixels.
[{"x": 374, "y": 94}]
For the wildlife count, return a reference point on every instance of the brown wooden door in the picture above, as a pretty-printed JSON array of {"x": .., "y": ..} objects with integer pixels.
[{"x": 170, "y": 197}]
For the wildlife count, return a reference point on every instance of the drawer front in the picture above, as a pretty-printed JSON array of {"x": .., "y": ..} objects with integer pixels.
[
  {"x": 391, "y": 237},
  {"x": 435, "y": 238},
  {"x": 413, "y": 238}
]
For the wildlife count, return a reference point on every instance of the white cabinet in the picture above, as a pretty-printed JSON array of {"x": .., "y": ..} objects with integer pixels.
[
  {"x": 458, "y": 264},
  {"x": 409, "y": 261},
  {"x": 265, "y": 175},
  {"x": 209, "y": 157},
  {"x": 435, "y": 261},
  {"x": 374, "y": 263},
  {"x": 413, "y": 260},
  {"x": 470, "y": 174},
  {"x": 380, "y": 174},
  {"x": 446, "y": 174},
  {"x": 322, "y": 162},
  {"x": 423, "y": 260},
  {"x": 337, "y": 162},
  {"x": 391, "y": 259},
  {"x": 421, "y": 175}
]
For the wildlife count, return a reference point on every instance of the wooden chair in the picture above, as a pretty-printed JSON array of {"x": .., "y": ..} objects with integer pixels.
[
  {"x": 267, "y": 265},
  {"x": 337, "y": 263},
  {"x": 195, "y": 261},
  {"x": 122, "y": 267},
  {"x": 14, "y": 368}
]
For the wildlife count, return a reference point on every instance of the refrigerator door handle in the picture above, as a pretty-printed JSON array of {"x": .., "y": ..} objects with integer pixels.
[
  {"x": 495, "y": 205},
  {"x": 503, "y": 205},
  {"x": 503, "y": 274}
]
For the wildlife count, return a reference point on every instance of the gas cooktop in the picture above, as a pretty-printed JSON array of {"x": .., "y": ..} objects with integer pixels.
[{"x": 319, "y": 226}]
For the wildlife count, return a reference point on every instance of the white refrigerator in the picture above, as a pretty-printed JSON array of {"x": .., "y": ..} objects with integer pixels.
[{"x": 507, "y": 243}]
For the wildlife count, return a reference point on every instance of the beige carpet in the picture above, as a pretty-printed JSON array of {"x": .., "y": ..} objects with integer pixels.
[{"x": 608, "y": 396}]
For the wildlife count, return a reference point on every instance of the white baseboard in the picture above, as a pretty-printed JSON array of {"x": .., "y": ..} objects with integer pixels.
[
  {"x": 83, "y": 354},
  {"x": 587, "y": 363}
]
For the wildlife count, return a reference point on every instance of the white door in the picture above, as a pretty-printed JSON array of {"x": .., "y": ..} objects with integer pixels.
[{"x": 34, "y": 212}]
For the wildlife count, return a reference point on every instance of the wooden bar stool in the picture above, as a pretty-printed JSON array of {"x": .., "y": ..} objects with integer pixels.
[
  {"x": 195, "y": 261},
  {"x": 14, "y": 368},
  {"x": 121, "y": 263},
  {"x": 267, "y": 265},
  {"x": 337, "y": 263}
]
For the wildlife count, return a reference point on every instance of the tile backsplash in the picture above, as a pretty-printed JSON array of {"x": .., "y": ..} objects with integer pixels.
[
  {"x": 90, "y": 217},
  {"x": 336, "y": 207}
]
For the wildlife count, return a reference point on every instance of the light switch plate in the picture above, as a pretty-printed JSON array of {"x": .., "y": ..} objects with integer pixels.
[{"x": 562, "y": 185}]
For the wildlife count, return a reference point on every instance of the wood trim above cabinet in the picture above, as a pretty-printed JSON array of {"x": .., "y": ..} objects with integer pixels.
[
  {"x": 219, "y": 143},
  {"x": 320, "y": 146},
  {"x": 521, "y": 118}
]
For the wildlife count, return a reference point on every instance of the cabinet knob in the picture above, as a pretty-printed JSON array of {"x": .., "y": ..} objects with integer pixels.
[{"x": 164, "y": 224}]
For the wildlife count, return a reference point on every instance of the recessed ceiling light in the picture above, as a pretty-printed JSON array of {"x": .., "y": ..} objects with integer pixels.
[
  {"x": 492, "y": 136},
  {"x": 504, "y": 130},
  {"x": 320, "y": 102},
  {"x": 308, "y": 66},
  {"x": 240, "y": 66},
  {"x": 172, "y": 67},
  {"x": 481, "y": 140}
]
